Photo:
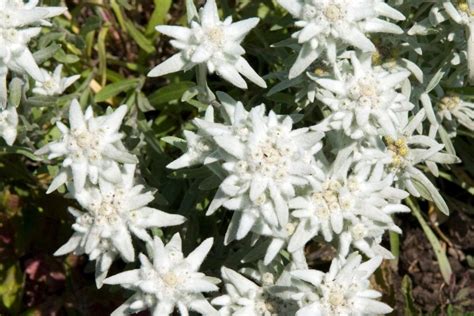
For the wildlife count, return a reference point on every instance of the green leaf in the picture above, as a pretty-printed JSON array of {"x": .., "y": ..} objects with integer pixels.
[
  {"x": 429, "y": 191},
  {"x": 101, "y": 48},
  {"x": 139, "y": 37},
  {"x": 11, "y": 287},
  {"x": 24, "y": 151},
  {"x": 176, "y": 142},
  {"x": 159, "y": 15},
  {"x": 15, "y": 91},
  {"x": 171, "y": 92},
  {"x": 40, "y": 100},
  {"x": 115, "y": 88},
  {"x": 150, "y": 138},
  {"x": 64, "y": 58},
  {"x": 191, "y": 11},
  {"x": 210, "y": 183},
  {"x": 435, "y": 80},
  {"x": 143, "y": 103},
  {"x": 410, "y": 307},
  {"x": 440, "y": 252},
  {"x": 44, "y": 54},
  {"x": 118, "y": 13}
]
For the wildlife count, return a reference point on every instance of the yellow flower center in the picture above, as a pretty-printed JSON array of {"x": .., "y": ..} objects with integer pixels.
[
  {"x": 334, "y": 12},
  {"x": 170, "y": 279},
  {"x": 449, "y": 103},
  {"x": 399, "y": 149},
  {"x": 216, "y": 36}
]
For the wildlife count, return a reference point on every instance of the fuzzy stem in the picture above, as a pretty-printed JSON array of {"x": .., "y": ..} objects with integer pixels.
[
  {"x": 470, "y": 50},
  {"x": 206, "y": 94},
  {"x": 3, "y": 87}
]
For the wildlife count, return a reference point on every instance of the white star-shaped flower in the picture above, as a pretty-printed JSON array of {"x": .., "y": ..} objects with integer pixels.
[
  {"x": 326, "y": 24},
  {"x": 114, "y": 212},
  {"x": 401, "y": 156},
  {"x": 453, "y": 108},
  {"x": 265, "y": 159},
  {"x": 201, "y": 148},
  {"x": 53, "y": 83},
  {"x": 91, "y": 146},
  {"x": 463, "y": 14},
  {"x": 345, "y": 202},
  {"x": 365, "y": 102},
  {"x": 15, "y": 34},
  {"x": 344, "y": 290},
  {"x": 245, "y": 297},
  {"x": 8, "y": 124},
  {"x": 168, "y": 281},
  {"x": 213, "y": 43}
]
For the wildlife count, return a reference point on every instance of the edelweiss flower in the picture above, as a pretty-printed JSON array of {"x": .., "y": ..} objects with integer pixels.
[
  {"x": 53, "y": 83},
  {"x": 366, "y": 236},
  {"x": 402, "y": 154},
  {"x": 265, "y": 160},
  {"x": 344, "y": 290},
  {"x": 342, "y": 202},
  {"x": 244, "y": 297},
  {"x": 201, "y": 148},
  {"x": 15, "y": 16},
  {"x": 8, "y": 124},
  {"x": 464, "y": 15},
  {"x": 114, "y": 213},
  {"x": 454, "y": 108},
  {"x": 326, "y": 23},
  {"x": 169, "y": 281},
  {"x": 366, "y": 101},
  {"x": 213, "y": 43},
  {"x": 280, "y": 238},
  {"x": 267, "y": 166},
  {"x": 92, "y": 147}
]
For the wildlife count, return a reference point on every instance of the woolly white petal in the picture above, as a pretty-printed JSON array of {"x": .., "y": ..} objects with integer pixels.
[{"x": 173, "y": 64}]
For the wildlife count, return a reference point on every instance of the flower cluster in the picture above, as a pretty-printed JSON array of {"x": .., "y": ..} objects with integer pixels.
[
  {"x": 265, "y": 160},
  {"x": 19, "y": 23},
  {"x": 325, "y": 24},
  {"x": 213, "y": 43},
  {"x": 169, "y": 280},
  {"x": 338, "y": 180},
  {"x": 103, "y": 182},
  {"x": 282, "y": 187},
  {"x": 91, "y": 147},
  {"x": 344, "y": 290},
  {"x": 53, "y": 83}
]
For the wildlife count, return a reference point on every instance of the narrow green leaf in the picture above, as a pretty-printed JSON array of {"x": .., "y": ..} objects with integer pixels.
[
  {"x": 44, "y": 54},
  {"x": 118, "y": 13},
  {"x": 159, "y": 15},
  {"x": 435, "y": 80},
  {"x": 115, "y": 88},
  {"x": 172, "y": 92},
  {"x": 176, "y": 142},
  {"x": 150, "y": 137},
  {"x": 102, "y": 54},
  {"x": 24, "y": 151},
  {"x": 191, "y": 11},
  {"x": 440, "y": 253},
  {"x": 15, "y": 91},
  {"x": 139, "y": 37},
  {"x": 143, "y": 103},
  {"x": 410, "y": 307},
  {"x": 64, "y": 58}
]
